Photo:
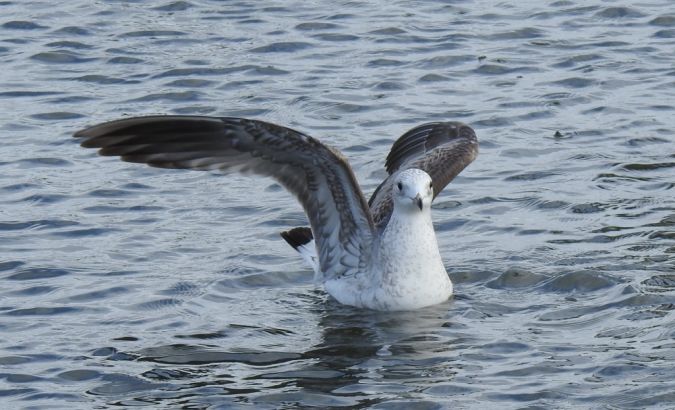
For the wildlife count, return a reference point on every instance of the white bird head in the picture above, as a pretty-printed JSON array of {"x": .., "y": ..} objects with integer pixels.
[{"x": 413, "y": 190}]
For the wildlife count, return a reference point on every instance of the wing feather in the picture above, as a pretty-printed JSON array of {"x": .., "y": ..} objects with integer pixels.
[
  {"x": 316, "y": 174},
  {"x": 441, "y": 149}
]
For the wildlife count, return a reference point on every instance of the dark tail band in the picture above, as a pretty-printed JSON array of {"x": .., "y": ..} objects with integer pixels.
[{"x": 297, "y": 236}]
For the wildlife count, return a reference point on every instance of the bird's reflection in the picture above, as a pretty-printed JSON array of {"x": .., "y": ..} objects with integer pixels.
[{"x": 360, "y": 344}]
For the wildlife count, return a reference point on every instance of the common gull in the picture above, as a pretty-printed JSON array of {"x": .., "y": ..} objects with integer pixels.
[{"x": 379, "y": 254}]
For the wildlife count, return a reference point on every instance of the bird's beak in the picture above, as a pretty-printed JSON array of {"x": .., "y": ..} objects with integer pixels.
[{"x": 418, "y": 201}]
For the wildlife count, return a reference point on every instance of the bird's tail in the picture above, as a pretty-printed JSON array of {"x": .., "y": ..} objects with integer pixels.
[{"x": 302, "y": 240}]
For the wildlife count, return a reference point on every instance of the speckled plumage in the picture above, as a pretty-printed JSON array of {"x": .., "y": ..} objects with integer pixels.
[{"x": 380, "y": 254}]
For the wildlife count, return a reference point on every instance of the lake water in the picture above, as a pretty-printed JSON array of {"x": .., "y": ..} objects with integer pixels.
[{"x": 123, "y": 285}]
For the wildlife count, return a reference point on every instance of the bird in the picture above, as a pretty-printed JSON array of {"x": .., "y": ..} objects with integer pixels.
[{"x": 381, "y": 254}]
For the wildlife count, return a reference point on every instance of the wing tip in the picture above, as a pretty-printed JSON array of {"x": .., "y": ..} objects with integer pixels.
[{"x": 418, "y": 137}]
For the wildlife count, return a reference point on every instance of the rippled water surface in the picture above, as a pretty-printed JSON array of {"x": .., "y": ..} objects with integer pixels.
[{"x": 122, "y": 285}]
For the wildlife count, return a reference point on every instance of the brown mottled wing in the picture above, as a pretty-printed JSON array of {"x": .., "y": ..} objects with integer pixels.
[
  {"x": 317, "y": 175},
  {"x": 441, "y": 149}
]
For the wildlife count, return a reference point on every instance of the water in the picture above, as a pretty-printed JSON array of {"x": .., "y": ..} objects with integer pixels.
[{"x": 122, "y": 285}]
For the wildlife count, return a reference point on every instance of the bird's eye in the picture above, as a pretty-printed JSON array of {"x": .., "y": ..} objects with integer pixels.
[
  {"x": 431, "y": 185},
  {"x": 400, "y": 186}
]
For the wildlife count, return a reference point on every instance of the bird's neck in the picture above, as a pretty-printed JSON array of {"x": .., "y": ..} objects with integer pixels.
[{"x": 412, "y": 221}]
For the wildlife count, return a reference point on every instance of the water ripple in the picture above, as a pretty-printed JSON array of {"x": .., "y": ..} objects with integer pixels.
[{"x": 559, "y": 238}]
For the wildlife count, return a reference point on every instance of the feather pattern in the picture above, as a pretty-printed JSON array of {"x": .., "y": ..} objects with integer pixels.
[
  {"x": 441, "y": 149},
  {"x": 316, "y": 174}
]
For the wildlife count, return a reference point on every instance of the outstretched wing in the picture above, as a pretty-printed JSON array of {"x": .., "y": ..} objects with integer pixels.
[
  {"x": 441, "y": 149},
  {"x": 317, "y": 175}
]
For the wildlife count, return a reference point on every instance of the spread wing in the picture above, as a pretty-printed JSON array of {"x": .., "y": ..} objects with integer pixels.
[
  {"x": 317, "y": 175},
  {"x": 441, "y": 149}
]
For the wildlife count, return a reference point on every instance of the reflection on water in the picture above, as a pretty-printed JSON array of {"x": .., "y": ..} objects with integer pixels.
[
  {"x": 361, "y": 353},
  {"x": 128, "y": 286}
]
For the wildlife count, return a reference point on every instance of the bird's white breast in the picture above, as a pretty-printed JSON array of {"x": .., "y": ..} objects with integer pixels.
[{"x": 408, "y": 273}]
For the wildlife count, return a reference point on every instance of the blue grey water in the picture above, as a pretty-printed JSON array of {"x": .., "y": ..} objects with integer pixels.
[{"x": 123, "y": 285}]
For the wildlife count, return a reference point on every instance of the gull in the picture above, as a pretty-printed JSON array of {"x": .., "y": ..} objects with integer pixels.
[{"x": 380, "y": 254}]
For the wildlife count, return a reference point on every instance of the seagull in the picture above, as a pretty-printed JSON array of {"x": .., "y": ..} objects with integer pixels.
[{"x": 380, "y": 254}]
